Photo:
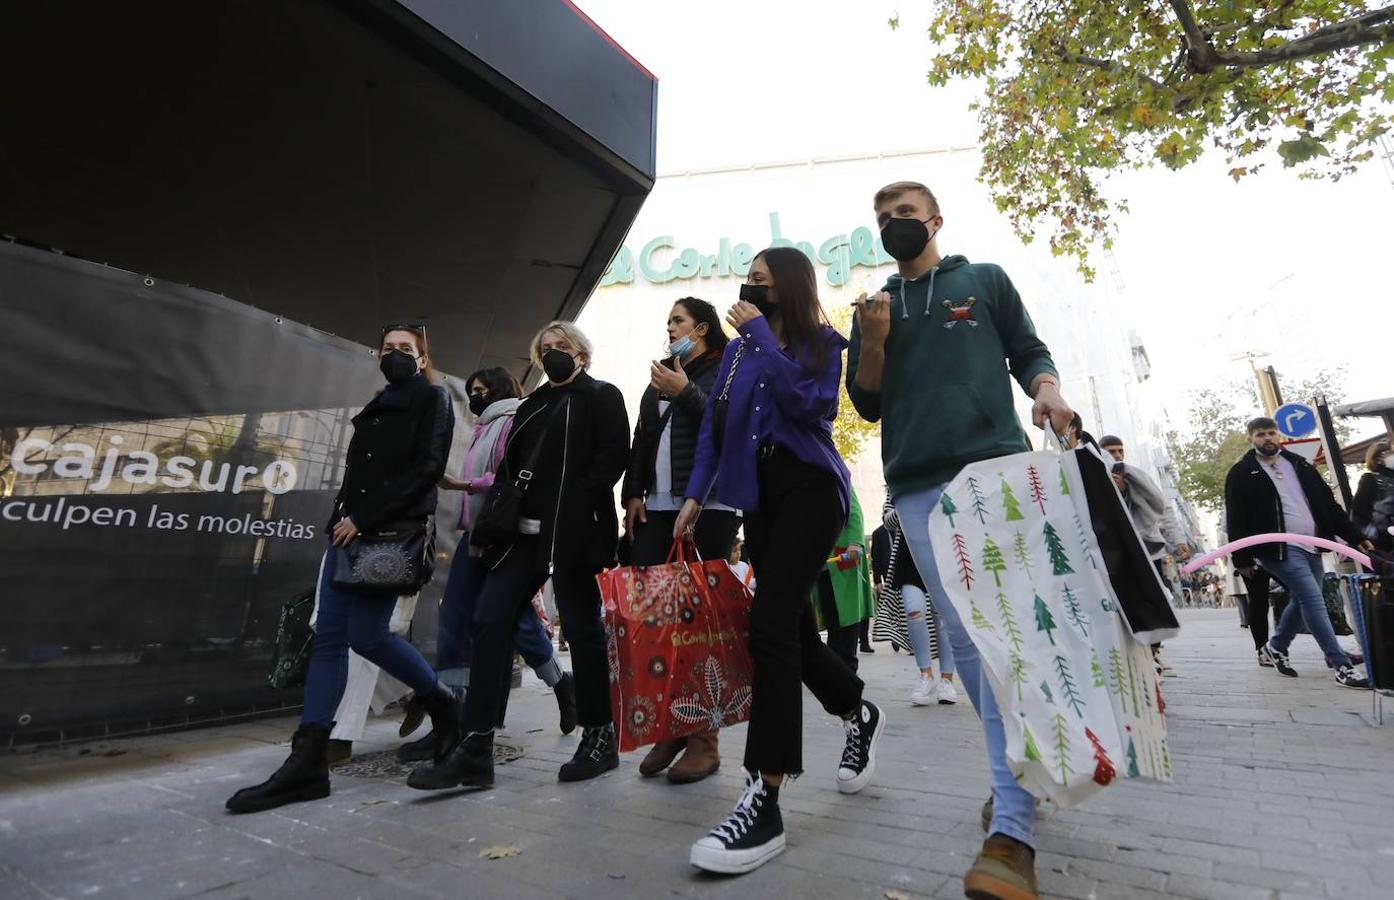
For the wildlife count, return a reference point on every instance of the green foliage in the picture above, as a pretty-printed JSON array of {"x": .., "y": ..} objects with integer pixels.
[
  {"x": 850, "y": 430},
  {"x": 1215, "y": 438},
  {"x": 1074, "y": 90}
]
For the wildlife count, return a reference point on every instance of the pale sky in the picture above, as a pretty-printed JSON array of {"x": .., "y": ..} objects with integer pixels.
[{"x": 1209, "y": 268}]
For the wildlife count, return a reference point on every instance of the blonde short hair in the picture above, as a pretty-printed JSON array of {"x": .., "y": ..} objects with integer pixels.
[
  {"x": 573, "y": 335},
  {"x": 895, "y": 189}
]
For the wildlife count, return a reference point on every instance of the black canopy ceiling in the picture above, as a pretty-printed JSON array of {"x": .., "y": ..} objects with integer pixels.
[{"x": 466, "y": 163}]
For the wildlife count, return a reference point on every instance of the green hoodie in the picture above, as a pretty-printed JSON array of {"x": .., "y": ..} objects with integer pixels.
[{"x": 957, "y": 331}]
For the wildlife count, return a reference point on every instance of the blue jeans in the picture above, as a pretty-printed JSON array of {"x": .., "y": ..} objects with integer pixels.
[
  {"x": 1013, "y": 808},
  {"x": 455, "y": 634},
  {"x": 1300, "y": 572},
  {"x": 359, "y": 621},
  {"x": 917, "y": 626}
]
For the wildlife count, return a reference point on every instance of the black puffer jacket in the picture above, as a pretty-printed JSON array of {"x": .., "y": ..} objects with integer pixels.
[
  {"x": 691, "y": 404},
  {"x": 400, "y": 443},
  {"x": 585, "y": 448},
  {"x": 1252, "y": 506}
]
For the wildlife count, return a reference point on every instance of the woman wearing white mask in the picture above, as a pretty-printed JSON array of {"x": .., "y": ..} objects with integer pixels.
[{"x": 660, "y": 461}]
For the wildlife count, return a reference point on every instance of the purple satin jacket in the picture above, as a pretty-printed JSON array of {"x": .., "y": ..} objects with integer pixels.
[{"x": 774, "y": 399}]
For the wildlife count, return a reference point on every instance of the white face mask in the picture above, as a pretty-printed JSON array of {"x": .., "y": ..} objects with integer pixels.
[{"x": 1389, "y": 460}]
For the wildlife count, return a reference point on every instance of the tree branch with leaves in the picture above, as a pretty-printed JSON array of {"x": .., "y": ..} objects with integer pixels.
[{"x": 1074, "y": 91}]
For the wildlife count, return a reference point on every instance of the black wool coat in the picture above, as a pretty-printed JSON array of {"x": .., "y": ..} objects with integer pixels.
[{"x": 400, "y": 444}]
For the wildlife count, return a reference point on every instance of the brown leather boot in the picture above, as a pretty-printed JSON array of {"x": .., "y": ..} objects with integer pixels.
[
  {"x": 661, "y": 757},
  {"x": 698, "y": 761},
  {"x": 1004, "y": 870}
]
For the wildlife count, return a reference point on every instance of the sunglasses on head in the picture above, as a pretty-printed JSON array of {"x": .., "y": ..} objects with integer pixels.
[{"x": 419, "y": 327}]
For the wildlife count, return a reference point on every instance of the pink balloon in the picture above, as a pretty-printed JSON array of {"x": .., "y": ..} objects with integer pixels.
[{"x": 1278, "y": 538}]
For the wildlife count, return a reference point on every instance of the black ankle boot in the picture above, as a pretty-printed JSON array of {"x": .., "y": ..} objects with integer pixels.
[
  {"x": 443, "y": 706},
  {"x": 598, "y": 754},
  {"x": 566, "y": 702},
  {"x": 303, "y": 776},
  {"x": 419, "y": 750},
  {"x": 469, "y": 764}
]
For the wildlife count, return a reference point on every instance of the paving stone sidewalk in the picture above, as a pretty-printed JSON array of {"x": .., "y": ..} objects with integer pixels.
[{"x": 1282, "y": 791}]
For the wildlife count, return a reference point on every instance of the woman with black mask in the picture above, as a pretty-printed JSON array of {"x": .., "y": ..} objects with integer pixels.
[
  {"x": 494, "y": 398},
  {"x": 566, "y": 451},
  {"x": 670, "y": 415},
  {"x": 768, "y": 434},
  {"x": 398, "y": 451}
]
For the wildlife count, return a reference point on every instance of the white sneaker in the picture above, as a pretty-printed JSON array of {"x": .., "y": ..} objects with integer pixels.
[
  {"x": 925, "y": 692},
  {"x": 948, "y": 694}
]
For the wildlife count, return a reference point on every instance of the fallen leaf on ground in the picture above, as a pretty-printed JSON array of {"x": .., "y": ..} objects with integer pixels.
[
  {"x": 498, "y": 852},
  {"x": 897, "y": 895}
]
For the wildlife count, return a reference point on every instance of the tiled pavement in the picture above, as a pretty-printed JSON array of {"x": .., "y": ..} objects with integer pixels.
[{"x": 1282, "y": 790}]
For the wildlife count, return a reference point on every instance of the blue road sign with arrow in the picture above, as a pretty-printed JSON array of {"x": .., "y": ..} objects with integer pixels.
[{"x": 1296, "y": 420}]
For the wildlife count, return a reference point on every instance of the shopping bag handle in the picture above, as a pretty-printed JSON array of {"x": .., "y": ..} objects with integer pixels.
[
  {"x": 1054, "y": 440},
  {"x": 684, "y": 550}
]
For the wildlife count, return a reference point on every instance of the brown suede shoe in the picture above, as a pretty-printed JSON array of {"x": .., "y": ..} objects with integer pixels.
[
  {"x": 1004, "y": 870},
  {"x": 698, "y": 761},
  {"x": 661, "y": 757}
]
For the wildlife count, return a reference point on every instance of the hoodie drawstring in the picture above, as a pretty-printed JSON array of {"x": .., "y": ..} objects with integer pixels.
[
  {"x": 929, "y": 297},
  {"x": 904, "y": 308}
]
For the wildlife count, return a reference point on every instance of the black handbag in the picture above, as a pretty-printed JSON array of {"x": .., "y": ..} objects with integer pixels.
[
  {"x": 398, "y": 558},
  {"x": 497, "y": 522},
  {"x": 290, "y": 655}
]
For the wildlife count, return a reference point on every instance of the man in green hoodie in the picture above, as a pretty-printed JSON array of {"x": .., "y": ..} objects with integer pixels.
[{"x": 932, "y": 358}]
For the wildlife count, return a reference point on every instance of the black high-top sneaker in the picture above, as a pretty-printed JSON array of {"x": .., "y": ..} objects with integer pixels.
[
  {"x": 859, "y": 757},
  {"x": 470, "y": 763},
  {"x": 303, "y": 776},
  {"x": 750, "y": 837},
  {"x": 599, "y": 753}
]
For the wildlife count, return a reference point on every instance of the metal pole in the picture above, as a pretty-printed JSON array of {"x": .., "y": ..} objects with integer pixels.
[{"x": 1333, "y": 452}]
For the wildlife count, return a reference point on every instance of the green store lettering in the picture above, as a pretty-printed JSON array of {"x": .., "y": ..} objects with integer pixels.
[{"x": 661, "y": 261}]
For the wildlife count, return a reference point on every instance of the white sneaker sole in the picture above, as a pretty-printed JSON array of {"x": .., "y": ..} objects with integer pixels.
[
  {"x": 854, "y": 785},
  {"x": 735, "y": 862},
  {"x": 916, "y": 700}
]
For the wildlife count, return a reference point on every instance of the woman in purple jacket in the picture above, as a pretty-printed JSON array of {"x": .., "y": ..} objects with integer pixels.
[{"x": 767, "y": 433}]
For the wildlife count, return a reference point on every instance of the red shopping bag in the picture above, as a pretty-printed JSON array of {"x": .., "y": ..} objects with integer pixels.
[{"x": 679, "y": 645}]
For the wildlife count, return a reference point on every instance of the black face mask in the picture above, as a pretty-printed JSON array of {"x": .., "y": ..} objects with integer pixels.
[
  {"x": 758, "y": 295},
  {"x": 558, "y": 364},
  {"x": 906, "y": 239},
  {"x": 479, "y": 403},
  {"x": 397, "y": 366}
]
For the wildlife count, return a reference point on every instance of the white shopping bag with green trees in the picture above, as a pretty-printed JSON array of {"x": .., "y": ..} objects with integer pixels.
[{"x": 1019, "y": 559}]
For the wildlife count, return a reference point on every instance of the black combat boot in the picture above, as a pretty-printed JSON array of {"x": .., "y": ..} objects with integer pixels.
[
  {"x": 599, "y": 753},
  {"x": 303, "y": 776},
  {"x": 470, "y": 763}
]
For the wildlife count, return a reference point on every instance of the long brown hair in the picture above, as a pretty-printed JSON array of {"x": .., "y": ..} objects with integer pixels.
[
  {"x": 423, "y": 346},
  {"x": 799, "y": 308}
]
